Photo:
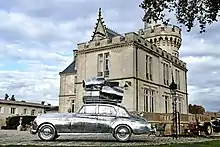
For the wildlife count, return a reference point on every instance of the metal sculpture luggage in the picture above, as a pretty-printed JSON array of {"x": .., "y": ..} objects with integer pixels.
[{"x": 98, "y": 90}]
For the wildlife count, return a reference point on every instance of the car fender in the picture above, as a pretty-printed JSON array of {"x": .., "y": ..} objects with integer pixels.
[
  {"x": 45, "y": 123},
  {"x": 121, "y": 121}
]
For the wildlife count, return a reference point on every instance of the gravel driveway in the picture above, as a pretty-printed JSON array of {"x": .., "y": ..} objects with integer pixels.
[{"x": 13, "y": 137}]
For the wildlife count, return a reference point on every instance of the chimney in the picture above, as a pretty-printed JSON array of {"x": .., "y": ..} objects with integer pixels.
[
  {"x": 75, "y": 58},
  {"x": 42, "y": 102},
  {"x": 74, "y": 54},
  {"x": 12, "y": 98}
]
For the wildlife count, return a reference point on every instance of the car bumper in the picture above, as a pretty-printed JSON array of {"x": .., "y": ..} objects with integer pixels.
[
  {"x": 33, "y": 131},
  {"x": 144, "y": 129}
]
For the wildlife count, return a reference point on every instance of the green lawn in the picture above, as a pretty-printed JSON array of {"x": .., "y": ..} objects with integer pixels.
[{"x": 215, "y": 143}]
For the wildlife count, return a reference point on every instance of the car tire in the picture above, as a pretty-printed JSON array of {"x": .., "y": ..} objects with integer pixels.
[
  {"x": 57, "y": 136},
  {"x": 47, "y": 132},
  {"x": 122, "y": 133},
  {"x": 208, "y": 129}
]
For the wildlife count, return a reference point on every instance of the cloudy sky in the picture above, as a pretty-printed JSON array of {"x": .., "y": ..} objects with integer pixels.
[{"x": 37, "y": 38}]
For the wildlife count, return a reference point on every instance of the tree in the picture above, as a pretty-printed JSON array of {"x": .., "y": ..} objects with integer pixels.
[
  {"x": 6, "y": 96},
  {"x": 196, "y": 109},
  {"x": 187, "y": 12}
]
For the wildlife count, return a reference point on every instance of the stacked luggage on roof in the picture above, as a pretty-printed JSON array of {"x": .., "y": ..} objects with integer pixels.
[{"x": 98, "y": 90}]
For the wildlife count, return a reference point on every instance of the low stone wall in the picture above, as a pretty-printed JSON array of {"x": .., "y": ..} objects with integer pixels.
[{"x": 166, "y": 118}]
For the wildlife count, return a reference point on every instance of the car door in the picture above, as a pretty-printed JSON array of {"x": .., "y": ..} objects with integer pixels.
[
  {"x": 88, "y": 118},
  {"x": 63, "y": 123},
  {"x": 106, "y": 115},
  {"x": 76, "y": 124}
]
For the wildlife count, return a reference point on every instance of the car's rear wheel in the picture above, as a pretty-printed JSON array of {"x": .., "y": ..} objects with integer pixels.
[
  {"x": 208, "y": 129},
  {"x": 47, "y": 132},
  {"x": 122, "y": 133}
]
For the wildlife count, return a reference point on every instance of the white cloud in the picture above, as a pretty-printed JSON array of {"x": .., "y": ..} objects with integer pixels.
[{"x": 192, "y": 59}]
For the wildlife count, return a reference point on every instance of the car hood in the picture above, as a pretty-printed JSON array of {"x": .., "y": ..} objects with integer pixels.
[{"x": 56, "y": 115}]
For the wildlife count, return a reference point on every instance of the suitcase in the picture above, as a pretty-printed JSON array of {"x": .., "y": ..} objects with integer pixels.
[{"x": 97, "y": 90}]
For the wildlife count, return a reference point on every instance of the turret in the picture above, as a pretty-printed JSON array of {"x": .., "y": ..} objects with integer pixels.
[{"x": 167, "y": 37}]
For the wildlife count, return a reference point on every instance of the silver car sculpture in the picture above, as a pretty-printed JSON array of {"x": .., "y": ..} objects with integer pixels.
[{"x": 91, "y": 118}]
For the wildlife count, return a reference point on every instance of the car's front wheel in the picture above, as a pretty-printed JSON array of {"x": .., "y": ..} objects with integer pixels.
[
  {"x": 47, "y": 132},
  {"x": 122, "y": 133}
]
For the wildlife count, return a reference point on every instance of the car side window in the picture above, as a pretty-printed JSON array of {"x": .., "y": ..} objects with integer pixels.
[
  {"x": 106, "y": 110},
  {"x": 88, "y": 109}
]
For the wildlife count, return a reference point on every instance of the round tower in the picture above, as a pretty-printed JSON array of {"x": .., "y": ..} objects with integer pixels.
[{"x": 167, "y": 37}]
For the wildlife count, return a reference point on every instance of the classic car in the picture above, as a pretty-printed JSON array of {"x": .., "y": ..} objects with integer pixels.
[{"x": 91, "y": 118}]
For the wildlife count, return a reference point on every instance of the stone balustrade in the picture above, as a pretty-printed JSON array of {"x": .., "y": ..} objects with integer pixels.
[{"x": 166, "y": 118}]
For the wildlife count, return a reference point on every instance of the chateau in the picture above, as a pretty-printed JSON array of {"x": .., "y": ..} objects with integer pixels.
[{"x": 143, "y": 62}]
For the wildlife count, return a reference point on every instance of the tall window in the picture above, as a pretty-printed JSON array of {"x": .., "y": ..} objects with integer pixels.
[
  {"x": 177, "y": 77},
  {"x": 178, "y": 74},
  {"x": 164, "y": 73},
  {"x": 152, "y": 100},
  {"x": 145, "y": 100},
  {"x": 149, "y": 68},
  {"x": 167, "y": 72},
  {"x": 147, "y": 74},
  {"x": 75, "y": 80},
  {"x": 149, "y": 98},
  {"x": 32, "y": 112},
  {"x": 100, "y": 64},
  {"x": 103, "y": 65},
  {"x": 180, "y": 106},
  {"x": 73, "y": 106},
  {"x": 106, "y": 64},
  {"x": 13, "y": 110},
  {"x": 166, "y": 104},
  {"x": 25, "y": 111}
]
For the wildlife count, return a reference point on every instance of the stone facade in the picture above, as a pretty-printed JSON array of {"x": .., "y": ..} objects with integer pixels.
[
  {"x": 143, "y": 63},
  {"x": 67, "y": 89}
]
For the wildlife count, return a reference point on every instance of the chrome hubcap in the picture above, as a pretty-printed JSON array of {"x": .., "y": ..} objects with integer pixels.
[
  {"x": 46, "y": 132},
  {"x": 122, "y": 133},
  {"x": 209, "y": 129}
]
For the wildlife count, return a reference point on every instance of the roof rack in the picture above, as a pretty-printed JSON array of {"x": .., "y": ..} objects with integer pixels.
[
  {"x": 100, "y": 99},
  {"x": 101, "y": 102}
]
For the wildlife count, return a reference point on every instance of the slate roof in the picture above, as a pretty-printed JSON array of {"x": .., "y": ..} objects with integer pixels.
[
  {"x": 69, "y": 69},
  {"x": 111, "y": 33},
  {"x": 23, "y": 103}
]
